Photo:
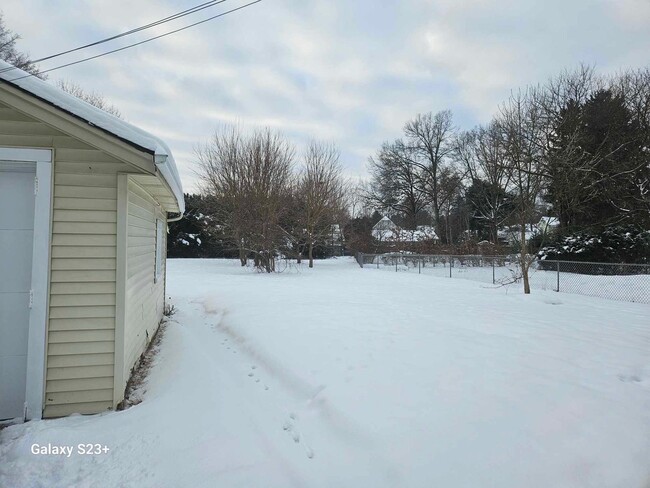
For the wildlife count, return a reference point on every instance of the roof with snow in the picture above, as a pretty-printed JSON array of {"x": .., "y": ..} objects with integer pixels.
[
  {"x": 94, "y": 116},
  {"x": 385, "y": 223}
]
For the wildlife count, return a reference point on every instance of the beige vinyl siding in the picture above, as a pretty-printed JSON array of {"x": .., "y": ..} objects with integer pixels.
[
  {"x": 80, "y": 342},
  {"x": 81, "y": 339},
  {"x": 145, "y": 297}
]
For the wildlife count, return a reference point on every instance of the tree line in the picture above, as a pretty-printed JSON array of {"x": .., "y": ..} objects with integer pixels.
[{"x": 577, "y": 147}]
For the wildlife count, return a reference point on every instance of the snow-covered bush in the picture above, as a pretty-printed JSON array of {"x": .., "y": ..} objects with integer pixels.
[{"x": 615, "y": 244}]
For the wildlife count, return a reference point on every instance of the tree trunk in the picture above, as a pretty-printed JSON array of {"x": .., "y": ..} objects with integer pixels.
[
  {"x": 311, "y": 254},
  {"x": 242, "y": 256},
  {"x": 438, "y": 221},
  {"x": 524, "y": 260}
]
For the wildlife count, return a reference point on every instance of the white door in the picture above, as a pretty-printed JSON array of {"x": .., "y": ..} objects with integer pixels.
[
  {"x": 22, "y": 319},
  {"x": 17, "y": 200}
]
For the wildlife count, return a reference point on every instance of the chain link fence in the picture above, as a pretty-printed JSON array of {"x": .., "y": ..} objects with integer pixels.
[{"x": 622, "y": 282}]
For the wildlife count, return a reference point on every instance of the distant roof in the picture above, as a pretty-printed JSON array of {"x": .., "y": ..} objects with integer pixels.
[
  {"x": 129, "y": 133},
  {"x": 384, "y": 222}
]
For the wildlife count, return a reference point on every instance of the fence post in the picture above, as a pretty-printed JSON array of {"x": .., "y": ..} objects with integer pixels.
[
  {"x": 419, "y": 262},
  {"x": 558, "y": 275},
  {"x": 396, "y": 264},
  {"x": 493, "y": 277},
  {"x": 360, "y": 258},
  {"x": 451, "y": 261}
]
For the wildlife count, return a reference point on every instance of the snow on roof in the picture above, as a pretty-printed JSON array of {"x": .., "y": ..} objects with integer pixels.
[
  {"x": 385, "y": 223},
  {"x": 94, "y": 116}
]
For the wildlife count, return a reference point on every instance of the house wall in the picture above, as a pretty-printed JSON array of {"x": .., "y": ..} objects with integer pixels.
[
  {"x": 145, "y": 296},
  {"x": 81, "y": 326}
]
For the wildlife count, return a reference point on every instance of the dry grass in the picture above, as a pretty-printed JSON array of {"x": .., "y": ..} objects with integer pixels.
[{"x": 136, "y": 386}]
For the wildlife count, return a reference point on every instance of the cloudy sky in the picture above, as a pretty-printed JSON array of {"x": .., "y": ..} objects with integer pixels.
[{"x": 348, "y": 72}]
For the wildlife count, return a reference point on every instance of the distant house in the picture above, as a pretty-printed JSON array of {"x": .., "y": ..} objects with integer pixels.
[
  {"x": 387, "y": 231},
  {"x": 512, "y": 235},
  {"x": 85, "y": 201}
]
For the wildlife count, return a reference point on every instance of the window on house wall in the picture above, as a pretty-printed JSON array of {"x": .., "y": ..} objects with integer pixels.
[{"x": 160, "y": 250}]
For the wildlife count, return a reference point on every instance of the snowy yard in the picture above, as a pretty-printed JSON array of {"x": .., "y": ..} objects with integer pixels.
[{"x": 342, "y": 377}]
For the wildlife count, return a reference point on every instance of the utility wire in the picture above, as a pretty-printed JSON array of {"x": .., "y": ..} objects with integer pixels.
[
  {"x": 178, "y": 15},
  {"x": 141, "y": 42}
]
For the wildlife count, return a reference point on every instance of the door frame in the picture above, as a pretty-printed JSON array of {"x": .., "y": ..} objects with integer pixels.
[{"x": 37, "y": 335}]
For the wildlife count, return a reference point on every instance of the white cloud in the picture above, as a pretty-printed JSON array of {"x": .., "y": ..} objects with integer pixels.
[{"x": 348, "y": 72}]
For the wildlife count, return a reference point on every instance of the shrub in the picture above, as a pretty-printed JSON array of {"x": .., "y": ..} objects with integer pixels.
[{"x": 614, "y": 244}]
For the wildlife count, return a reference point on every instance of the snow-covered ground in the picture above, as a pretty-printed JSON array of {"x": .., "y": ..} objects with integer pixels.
[{"x": 343, "y": 377}]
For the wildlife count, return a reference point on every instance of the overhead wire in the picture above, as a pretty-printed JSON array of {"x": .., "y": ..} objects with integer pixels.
[
  {"x": 178, "y": 15},
  {"x": 194, "y": 9}
]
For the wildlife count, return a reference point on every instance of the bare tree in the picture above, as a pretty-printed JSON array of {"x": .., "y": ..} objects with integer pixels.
[
  {"x": 450, "y": 188},
  {"x": 268, "y": 178},
  {"x": 220, "y": 176},
  {"x": 321, "y": 193},
  {"x": 93, "y": 98},
  {"x": 521, "y": 121},
  {"x": 430, "y": 137},
  {"x": 251, "y": 177},
  {"x": 10, "y": 53},
  {"x": 358, "y": 204},
  {"x": 396, "y": 184},
  {"x": 482, "y": 151}
]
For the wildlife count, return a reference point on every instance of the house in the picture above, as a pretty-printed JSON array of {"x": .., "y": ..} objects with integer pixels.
[
  {"x": 384, "y": 229},
  {"x": 387, "y": 231},
  {"x": 512, "y": 235},
  {"x": 84, "y": 203}
]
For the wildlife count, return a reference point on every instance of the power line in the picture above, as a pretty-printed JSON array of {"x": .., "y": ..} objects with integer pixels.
[
  {"x": 196, "y": 8},
  {"x": 141, "y": 42},
  {"x": 179, "y": 15}
]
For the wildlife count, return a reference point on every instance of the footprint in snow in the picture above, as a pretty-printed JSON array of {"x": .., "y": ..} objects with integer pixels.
[
  {"x": 630, "y": 378},
  {"x": 250, "y": 375},
  {"x": 290, "y": 428}
]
